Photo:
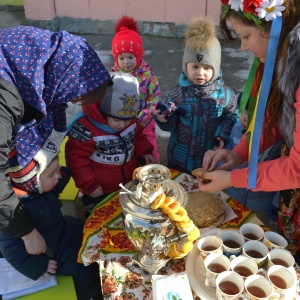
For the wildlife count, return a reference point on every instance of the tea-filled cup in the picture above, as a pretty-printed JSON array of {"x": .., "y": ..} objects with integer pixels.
[
  {"x": 258, "y": 287},
  {"x": 210, "y": 245},
  {"x": 233, "y": 242},
  {"x": 282, "y": 281},
  {"x": 251, "y": 231},
  {"x": 274, "y": 240},
  {"x": 244, "y": 266},
  {"x": 280, "y": 257},
  {"x": 256, "y": 250},
  {"x": 214, "y": 265},
  {"x": 230, "y": 286}
]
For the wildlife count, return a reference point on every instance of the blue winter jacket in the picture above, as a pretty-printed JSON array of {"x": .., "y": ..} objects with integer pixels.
[{"x": 210, "y": 113}]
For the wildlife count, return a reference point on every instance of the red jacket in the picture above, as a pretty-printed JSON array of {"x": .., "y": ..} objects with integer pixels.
[{"x": 99, "y": 158}]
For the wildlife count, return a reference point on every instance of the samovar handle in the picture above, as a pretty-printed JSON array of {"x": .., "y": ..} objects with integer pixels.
[{"x": 176, "y": 237}]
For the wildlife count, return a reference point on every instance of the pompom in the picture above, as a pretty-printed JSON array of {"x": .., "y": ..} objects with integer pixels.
[
  {"x": 127, "y": 22},
  {"x": 200, "y": 33}
]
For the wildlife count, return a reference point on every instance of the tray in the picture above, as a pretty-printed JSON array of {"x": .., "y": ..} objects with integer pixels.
[{"x": 196, "y": 273}]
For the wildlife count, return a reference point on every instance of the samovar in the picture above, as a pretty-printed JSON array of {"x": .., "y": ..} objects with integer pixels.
[{"x": 151, "y": 231}]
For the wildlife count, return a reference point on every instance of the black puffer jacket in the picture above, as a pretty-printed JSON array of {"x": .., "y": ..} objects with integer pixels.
[{"x": 63, "y": 235}]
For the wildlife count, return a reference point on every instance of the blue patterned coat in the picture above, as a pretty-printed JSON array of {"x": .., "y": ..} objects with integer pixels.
[{"x": 210, "y": 113}]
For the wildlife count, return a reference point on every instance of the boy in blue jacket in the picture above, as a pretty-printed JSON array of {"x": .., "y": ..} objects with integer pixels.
[
  {"x": 210, "y": 106},
  {"x": 38, "y": 186}
]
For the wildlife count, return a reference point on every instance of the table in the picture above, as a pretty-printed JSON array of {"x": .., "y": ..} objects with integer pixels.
[{"x": 105, "y": 241}]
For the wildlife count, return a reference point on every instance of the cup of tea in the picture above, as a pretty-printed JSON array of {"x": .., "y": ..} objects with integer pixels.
[
  {"x": 229, "y": 286},
  {"x": 233, "y": 242},
  {"x": 210, "y": 245},
  {"x": 256, "y": 250},
  {"x": 259, "y": 287},
  {"x": 280, "y": 257},
  {"x": 282, "y": 280},
  {"x": 274, "y": 240},
  {"x": 251, "y": 231},
  {"x": 244, "y": 266},
  {"x": 214, "y": 265}
]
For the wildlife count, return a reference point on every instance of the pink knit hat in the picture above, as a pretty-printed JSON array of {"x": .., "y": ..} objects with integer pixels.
[{"x": 127, "y": 39}]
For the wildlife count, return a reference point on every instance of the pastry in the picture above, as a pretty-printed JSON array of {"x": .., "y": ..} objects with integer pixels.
[{"x": 205, "y": 209}]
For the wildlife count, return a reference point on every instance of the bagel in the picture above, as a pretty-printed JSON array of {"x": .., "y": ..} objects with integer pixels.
[
  {"x": 186, "y": 223},
  {"x": 158, "y": 201},
  {"x": 179, "y": 216},
  {"x": 187, "y": 247},
  {"x": 169, "y": 200},
  {"x": 193, "y": 234},
  {"x": 199, "y": 172},
  {"x": 172, "y": 208},
  {"x": 175, "y": 253}
]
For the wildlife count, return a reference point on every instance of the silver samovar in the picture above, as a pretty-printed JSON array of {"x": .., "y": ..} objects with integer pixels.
[{"x": 150, "y": 231}]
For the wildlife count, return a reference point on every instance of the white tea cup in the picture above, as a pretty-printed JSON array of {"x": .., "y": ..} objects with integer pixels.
[
  {"x": 258, "y": 287},
  {"x": 214, "y": 265},
  {"x": 210, "y": 244},
  {"x": 244, "y": 266},
  {"x": 274, "y": 240},
  {"x": 280, "y": 257},
  {"x": 256, "y": 250},
  {"x": 230, "y": 286},
  {"x": 282, "y": 281},
  {"x": 251, "y": 231},
  {"x": 233, "y": 242}
]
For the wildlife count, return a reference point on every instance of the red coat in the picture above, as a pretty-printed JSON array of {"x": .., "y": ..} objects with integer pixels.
[{"x": 99, "y": 158}]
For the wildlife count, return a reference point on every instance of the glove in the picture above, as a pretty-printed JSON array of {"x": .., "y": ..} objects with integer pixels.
[{"x": 168, "y": 108}]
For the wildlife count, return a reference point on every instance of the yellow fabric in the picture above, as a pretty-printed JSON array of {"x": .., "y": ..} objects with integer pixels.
[
  {"x": 64, "y": 289},
  {"x": 71, "y": 191}
]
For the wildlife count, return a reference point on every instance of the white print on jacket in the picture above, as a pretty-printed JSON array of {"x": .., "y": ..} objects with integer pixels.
[{"x": 112, "y": 149}]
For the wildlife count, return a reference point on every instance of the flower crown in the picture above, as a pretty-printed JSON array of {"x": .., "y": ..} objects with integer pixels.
[{"x": 254, "y": 10}]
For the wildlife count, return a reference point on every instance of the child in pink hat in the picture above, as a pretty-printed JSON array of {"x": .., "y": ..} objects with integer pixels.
[{"x": 127, "y": 50}]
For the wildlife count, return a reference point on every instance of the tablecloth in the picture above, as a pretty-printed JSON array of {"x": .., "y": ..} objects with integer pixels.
[{"x": 105, "y": 241}]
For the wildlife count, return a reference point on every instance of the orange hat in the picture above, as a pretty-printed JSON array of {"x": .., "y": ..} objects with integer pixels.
[{"x": 127, "y": 39}]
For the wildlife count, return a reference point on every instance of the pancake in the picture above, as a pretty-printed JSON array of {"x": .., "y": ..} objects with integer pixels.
[{"x": 205, "y": 209}]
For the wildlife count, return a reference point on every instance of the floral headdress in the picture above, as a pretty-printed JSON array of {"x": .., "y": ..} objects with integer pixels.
[{"x": 255, "y": 10}]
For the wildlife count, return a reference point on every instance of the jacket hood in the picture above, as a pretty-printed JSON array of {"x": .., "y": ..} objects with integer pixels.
[{"x": 92, "y": 111}]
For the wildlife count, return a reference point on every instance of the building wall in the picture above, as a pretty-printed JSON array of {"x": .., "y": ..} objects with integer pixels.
[
  {"x": 162, "y": 11},
  {"x": 11, "y": 2}
]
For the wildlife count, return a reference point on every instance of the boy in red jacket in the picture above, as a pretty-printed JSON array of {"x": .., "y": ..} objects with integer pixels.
[{"x": 105, "y": 144}]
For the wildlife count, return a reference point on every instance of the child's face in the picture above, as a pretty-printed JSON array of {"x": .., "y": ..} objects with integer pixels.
[
  {"x": 127, "y": 61},
  {"x": 50, "y": 176},
  {"x": 117, "y": 124},
  {"x": 199, "y": 73}
]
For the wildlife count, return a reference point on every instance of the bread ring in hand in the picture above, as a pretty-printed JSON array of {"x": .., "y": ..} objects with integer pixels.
[
  {"x": 179, "y": 216},
  {"x": 158, "y": 201},
  {"x": 199, "y": 172}
]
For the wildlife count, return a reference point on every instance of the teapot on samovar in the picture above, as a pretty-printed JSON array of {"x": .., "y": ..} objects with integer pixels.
[{"x": 151, "y": 231}]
